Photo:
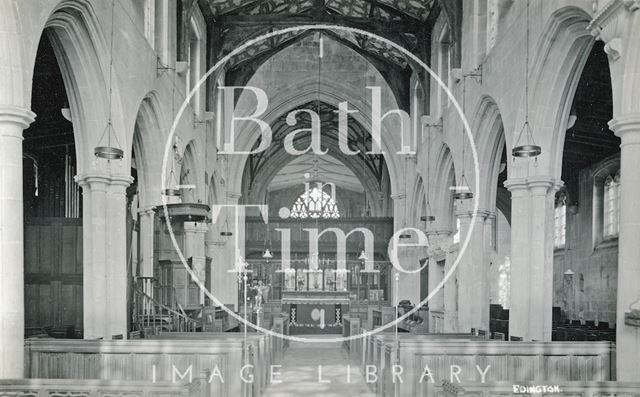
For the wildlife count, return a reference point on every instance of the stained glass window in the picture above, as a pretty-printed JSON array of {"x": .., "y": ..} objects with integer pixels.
[
  {"x": 611, "y": 205},
  {"x": 315, "y": 203},
  {"x": 560, "y": 224}
]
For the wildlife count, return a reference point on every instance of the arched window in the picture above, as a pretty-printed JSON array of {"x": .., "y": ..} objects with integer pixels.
[
  {"x": 315, "y": 203},
  {"x": 560, "y": 223},
  {"x": 611, "y": 205}
]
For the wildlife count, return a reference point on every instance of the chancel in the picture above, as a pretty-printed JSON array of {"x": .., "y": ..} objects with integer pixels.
[{"x": 319, "y": 197}]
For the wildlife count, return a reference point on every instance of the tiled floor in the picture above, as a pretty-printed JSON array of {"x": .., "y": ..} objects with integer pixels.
[{"x": 301, "y": 367}]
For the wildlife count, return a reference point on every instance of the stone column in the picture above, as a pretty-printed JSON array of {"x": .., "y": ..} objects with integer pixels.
[
  {"x": 472, "y": 272},
  {"x": 13, "y": 120},
  {"x": 628, "y": 336},
  {"x": 116, "y": 247},
  {"x": 194, "y": 234},
  {"x": 617, "y": 23},
  {"x": 408, "y": 283},
  {"x": 105, "y": 254},
  {"x": 439, "y": 242},
  {"x": 146, "y": 241},
  {"x": 532, "y": 218},
  {"x": 224, "y": 285}
]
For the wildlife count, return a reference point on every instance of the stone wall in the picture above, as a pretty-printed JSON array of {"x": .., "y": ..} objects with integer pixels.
[{"x": 590, "y": 294}]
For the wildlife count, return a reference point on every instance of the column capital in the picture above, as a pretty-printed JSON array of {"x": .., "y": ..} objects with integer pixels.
[
  {"x": 515, "y": 185},
  {"x": 20, "y": 116},
  {"x": 481, "y": 214},
  {"x": 102, "y": 180},
  {"x": 627, "y": 128},
  {"x": 518, "y": 186}
]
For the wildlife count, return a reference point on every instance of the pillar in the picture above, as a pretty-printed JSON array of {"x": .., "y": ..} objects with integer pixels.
[
  {"x": 628, "y": 336},
  {"x": 408, "y": 283},
  {"x": 194, "y": 234},
  {"x": 146, "y": 242},
  {"x": 13, "y": 120},
  {"x": 472, "y": 272},
  {"x": 221, "y": 250},
  {"x": 104, "y": 254},
  {"x": 532, "y": 219},
  {"x": 439, "y": 241}
]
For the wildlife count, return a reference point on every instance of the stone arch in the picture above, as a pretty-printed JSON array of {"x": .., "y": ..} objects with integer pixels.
[
  {"x": 292, "y": 96},
  {"x": 295, "y": 92},
  {"x": 148, "y": 153},
  {"x": 488, "y": 128},
  {"x": 445, "y": 177},
  {"x": 190, "y": 174},
  {"x": 83, "y": 54},
  {"x": 282, "y": 159},
  {"x": 558, "y": 61},
  {"x": 418, "y": 203}
]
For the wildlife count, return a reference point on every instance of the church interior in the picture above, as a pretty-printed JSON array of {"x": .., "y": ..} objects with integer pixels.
[{"x": 331, "y": 197}]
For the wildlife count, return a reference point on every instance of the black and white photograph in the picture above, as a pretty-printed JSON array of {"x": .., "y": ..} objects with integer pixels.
[{"x": 284, "y": 198}]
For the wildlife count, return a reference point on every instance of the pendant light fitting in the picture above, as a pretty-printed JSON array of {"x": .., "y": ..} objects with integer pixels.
[
  {"x": 529, "y": 147},
  {"x": 108, "y": 151}
]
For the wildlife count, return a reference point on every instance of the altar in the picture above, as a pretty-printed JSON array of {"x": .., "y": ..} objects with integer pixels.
[{"x": 315, "y": 311}]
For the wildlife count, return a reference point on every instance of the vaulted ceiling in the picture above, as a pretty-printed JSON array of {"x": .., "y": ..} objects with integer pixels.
[
  {"x": 265, "y": 163},
  {"x": 407, "y": 23},
  {"x": 325, "y": 168}
]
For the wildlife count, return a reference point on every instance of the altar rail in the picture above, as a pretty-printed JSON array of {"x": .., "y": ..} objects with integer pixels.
[
  {"x": 508, "y": 361},
  {"x": 141, "y": 360},
  {"x": 93, "y": 388}
]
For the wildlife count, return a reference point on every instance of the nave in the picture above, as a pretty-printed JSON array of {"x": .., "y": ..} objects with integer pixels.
[
  {"x": 319, "y": 369},
  {"x": 483, "y": 210}
]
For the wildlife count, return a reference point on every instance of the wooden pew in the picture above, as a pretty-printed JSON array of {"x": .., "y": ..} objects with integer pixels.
[
  {"x": 93, "y": 388},
  {"x": 260, "y": 350},
  {"x": 138, "y": 360},
  {"x": 568, "y": 389},
  {"x": 508, "y": 361}
]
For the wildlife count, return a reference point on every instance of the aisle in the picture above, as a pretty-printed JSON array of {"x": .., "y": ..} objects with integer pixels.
[{"x": 300, "y": 372}]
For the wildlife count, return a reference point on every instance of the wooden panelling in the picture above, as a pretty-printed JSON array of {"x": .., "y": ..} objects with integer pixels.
[
  {"x": 92, "y": 388},
  {"x": 138, "y": 360},
  {"x": 507, "y": 361},
  {"x": 53, "y": 272},
  {"x": 567, "y": 389}
]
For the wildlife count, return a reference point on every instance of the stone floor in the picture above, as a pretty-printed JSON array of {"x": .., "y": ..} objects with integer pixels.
[{"x": 300, "y": 372}]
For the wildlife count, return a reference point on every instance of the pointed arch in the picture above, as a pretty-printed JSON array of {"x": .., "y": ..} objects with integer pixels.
[
  {"x": 147, "y": 152},
  {"x": 559, "y": 59}
]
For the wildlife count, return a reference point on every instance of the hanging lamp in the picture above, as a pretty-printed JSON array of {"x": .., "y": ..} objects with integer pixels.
[
  {"x": 405, "y": 235},
  {"x": 526, "y": 148},
  {"x": 107, "y": 150},
  {"x": 172, "y": 191},
  {"x": 225, "y": 232},
  {"x": 462, "y": 191},
  {"x": 428, "y": 217}
]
